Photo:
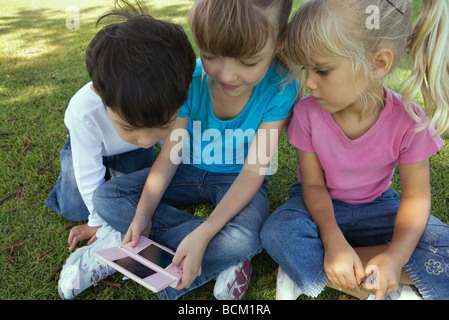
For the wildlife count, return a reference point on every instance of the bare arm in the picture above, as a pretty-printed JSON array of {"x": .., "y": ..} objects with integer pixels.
[
  {"x": 411, "y": 220},
  {"x": 157, "y": 182},
  {"x": 242, "y": 191},
  {"x": 342, "y": 265}
]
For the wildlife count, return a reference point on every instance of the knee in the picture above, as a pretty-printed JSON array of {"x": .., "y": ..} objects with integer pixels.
[
  {"x": 68, "y": 204},
  {"x": 103, "y": 199},
  {"x": 272, "y": 231},
  {"x": 127, "y": 186},
  {"x": 284, "y": 227},
  {"x": 436, "y": 233},
  {"x": 239, "y": 243},
  {"x": 246, "y": 240},
  {"x": 104, "y": 191},
  {"x": 75, "y": 214},
  {"x": 107, "y": 194}
]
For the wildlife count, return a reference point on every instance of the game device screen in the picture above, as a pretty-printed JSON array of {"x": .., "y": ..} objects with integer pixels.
[
  {"x": 135, "y": 267},
  {"x": 156, "y": 255},
  {"x": 152, "y": 253}
]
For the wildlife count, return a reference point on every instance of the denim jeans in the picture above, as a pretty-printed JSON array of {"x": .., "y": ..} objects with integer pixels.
[
  {"x": 116, "y": 202},
  {"x": 65, "y": 197},
  {"x": 291, "y": 238}
]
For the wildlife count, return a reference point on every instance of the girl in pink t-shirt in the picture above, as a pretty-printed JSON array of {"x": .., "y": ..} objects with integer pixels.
[{"x": 342, "y": 226}]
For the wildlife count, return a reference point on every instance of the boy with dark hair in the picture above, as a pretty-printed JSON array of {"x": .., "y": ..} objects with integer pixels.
[{"x": 140, "y": 70}]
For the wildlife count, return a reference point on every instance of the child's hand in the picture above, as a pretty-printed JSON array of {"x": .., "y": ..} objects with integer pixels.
[
  {"x": 141, "y": 225},
  {"x": 190, "y": 255},
  {"x": 80, "y": 233},
  {"x": 387, "y": 275},
  {"x": 343, "y": 266}
]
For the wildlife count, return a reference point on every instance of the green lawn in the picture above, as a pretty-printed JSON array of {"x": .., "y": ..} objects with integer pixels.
[{"x": 41, "y": 67}]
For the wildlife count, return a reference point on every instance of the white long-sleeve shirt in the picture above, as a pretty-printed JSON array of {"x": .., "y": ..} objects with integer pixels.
[{"x": 92, "y": 136}]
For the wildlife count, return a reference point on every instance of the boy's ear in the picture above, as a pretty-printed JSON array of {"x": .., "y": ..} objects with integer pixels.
[{"x": 382, "y": 61}]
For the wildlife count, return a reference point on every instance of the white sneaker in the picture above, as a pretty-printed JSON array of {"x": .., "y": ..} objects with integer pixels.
[
  {"x": 233, "y": 282},
  {"x": 286, "y": 289},
  {"x": 82, "y": 269},
  {"x": 404, "y": 292}
]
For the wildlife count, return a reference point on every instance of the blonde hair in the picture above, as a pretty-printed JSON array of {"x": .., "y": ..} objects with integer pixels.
[
  {"x": 430, "y": 58},
  {"x": 339, "y": 28},
  {"x": 238, "y": 28}
]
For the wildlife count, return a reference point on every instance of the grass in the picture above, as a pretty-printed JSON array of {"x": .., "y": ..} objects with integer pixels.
[{"x": 41, "y": 67}]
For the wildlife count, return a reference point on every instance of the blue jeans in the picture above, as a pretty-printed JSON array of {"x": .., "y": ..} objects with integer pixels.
[
  {"x": 116, "y": 202},
  {"x": 65, "y": 197},
  {"x": 291, "y": 238}
]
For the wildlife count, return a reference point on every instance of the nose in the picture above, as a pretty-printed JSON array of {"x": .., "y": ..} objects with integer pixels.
[
  {"x": 310, "y": 82},
  {"x": 228, "y": 71},
  {"x": 145, "y": 142}
]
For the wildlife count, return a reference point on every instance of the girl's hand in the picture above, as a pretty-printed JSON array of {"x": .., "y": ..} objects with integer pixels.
[
  {"x": 80, "y": 233},
  {"x": 387, "y": 273},
  {"x": 343, "y": 266},
  {"x": 141, "y": 225},
  {"x": 411, "y": 221},
  {"x": 189, "y": 256}
]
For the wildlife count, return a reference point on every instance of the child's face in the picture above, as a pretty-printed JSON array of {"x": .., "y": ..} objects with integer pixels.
[
  {"x": 142, "y": 137},
  {"x": 332, "y": 84},
  {"x": 238, "y": 77}
]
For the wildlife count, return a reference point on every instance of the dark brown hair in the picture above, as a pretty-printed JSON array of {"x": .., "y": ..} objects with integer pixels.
[{"x": 141, "y": 66}]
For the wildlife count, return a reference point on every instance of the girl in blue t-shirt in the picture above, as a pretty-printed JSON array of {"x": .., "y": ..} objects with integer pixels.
[{"x": 220, "y": 150}]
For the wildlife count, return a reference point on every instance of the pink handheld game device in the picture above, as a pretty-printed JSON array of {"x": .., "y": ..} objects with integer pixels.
[{"x": 149, "y": 264}]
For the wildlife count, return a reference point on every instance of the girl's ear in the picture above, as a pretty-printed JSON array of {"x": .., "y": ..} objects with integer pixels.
[{"x": 382, "y": 61}]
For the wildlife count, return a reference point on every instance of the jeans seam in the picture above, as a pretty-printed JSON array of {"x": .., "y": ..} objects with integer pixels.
[
  {"x": 128, "y": 199},
  {"x": 418, "y": 280}
]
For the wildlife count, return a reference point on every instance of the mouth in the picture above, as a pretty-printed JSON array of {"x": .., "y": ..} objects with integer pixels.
[{"x": 229, "y": 87}]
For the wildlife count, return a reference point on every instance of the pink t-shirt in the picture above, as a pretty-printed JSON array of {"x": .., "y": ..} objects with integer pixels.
[{"x": 359, "y": 171}]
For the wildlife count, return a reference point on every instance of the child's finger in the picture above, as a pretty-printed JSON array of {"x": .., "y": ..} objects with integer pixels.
[
  {"x": 359, "y": 272},
  {"x": 379, "y": 294},
  {"x": 127, "y": 238},
  {"x": 189, "y": 274},
  {"x": 381, "y": 290},
  {"x": 72, "y": 235},
  {"x": 334, "y": 281},
  {"x": 185, "y": 278},
  {"x": 92, "y": 239},
  {"x": 341, "y": 282},
  {"x": 178, "y": 258},
  {"x": 73, "y": 242},
  {"x": 351, "y": 282}
]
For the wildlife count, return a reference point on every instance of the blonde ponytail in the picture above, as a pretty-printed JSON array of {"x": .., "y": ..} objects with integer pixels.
[{"x": 429, "y": 53}]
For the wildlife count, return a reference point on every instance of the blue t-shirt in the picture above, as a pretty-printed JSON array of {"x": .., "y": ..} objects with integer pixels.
[{"x": 222, "y": 145}]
